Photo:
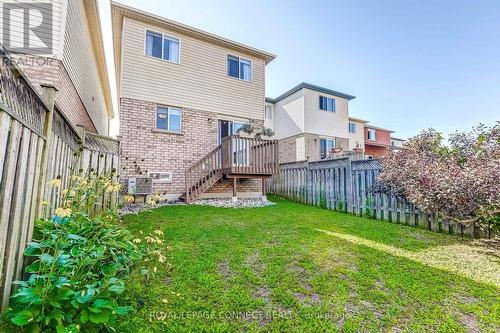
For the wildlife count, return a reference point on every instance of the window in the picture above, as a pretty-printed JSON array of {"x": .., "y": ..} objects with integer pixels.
[
  {"x": 393, "y": 143},
  {"x": 352, "y": 128},
  {"x": 162, "y": 46},
  {"x": 327, "y": 103},
  {"x": 168, "y": 119},
  {"x": 325, "y": 147},
  {"x": 160, "y": 177},
  {"x": 239, "y": 68},
  {"x": 269, "y": 112},
  {"x": 372, "y": 134}
]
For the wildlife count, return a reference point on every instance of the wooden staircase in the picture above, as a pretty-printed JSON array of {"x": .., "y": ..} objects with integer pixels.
[{"x": 235, "y": 157}]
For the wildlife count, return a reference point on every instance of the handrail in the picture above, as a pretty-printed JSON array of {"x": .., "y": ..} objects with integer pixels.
[{"x": 235, "y": 155}]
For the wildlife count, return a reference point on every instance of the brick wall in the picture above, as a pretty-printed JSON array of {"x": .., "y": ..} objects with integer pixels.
[
  {"x": 376, "y": 151},
  {"x": 288, "y": 149},
  {"x": 41, "y": 70},
  {"x": 156, "y": 151}
]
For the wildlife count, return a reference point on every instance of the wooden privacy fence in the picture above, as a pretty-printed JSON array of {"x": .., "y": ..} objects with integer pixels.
[
  {"x": 37, "y": 143},
  {"x": 345, "y": 185}
]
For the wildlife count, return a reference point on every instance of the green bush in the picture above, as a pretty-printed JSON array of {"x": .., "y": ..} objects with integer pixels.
[
  {"x": 79, "y": 261},
  {"x": 77, "y": 275}
]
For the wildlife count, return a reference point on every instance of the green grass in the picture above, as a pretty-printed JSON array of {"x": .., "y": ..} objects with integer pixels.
[{"x": 295, "y": 268}]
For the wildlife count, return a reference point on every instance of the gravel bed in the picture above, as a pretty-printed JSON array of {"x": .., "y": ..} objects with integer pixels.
[
  {"x": 228, "y": 203},
  {"x": 135, "y": 208}
]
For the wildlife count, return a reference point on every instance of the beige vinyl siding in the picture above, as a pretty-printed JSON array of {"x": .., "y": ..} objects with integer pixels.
[
  {"x": 289, "y": 115},
  {"x": 199, "y": 81},
  {"x": 358, "y": 137},
  {"x": 80, "y": 63},
  {"x": 16, "y": 24},
  {"x": 325, "y": 122}
]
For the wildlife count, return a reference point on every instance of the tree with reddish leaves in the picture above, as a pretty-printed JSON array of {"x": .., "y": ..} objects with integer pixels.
[{"x": 459, "y": 181}]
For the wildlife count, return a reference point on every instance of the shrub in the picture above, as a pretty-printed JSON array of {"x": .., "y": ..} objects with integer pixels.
[
  {"x": 81, "y": 258},
  {"x": 458, "y": 181}
]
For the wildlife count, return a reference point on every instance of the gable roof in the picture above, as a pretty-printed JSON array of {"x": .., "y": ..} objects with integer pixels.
[
  {"x": 305, "y": 85},
  {"x": 119, "y": 11}
]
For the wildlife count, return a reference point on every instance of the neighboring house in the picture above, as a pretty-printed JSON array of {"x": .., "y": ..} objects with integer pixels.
[
  {"x": 183, "y": 93},
  {"x": 357, "y": 134},
  {"x": 76, "y": 65},
  {"x": 377, "y": 141},
  {"x": 309, "y": 121},
  {"x": 397, "y": 143}
]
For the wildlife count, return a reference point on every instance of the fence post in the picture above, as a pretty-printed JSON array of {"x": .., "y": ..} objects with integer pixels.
[
  {"x": 349, "y": 192},
  {"x": 49, "y": 97}
]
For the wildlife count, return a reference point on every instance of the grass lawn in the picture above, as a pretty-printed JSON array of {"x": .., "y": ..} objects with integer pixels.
[{"x": 295, "y": 268}]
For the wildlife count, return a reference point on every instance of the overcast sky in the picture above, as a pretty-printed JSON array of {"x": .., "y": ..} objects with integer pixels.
[{"x": 410, "y": 64}]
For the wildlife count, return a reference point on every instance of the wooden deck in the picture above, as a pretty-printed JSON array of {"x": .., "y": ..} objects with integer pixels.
[{"x": 236, "y": 157}]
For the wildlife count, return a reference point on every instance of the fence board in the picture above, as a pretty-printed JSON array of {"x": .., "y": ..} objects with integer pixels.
[
  {"x": 37, "y": 143},
  {"x": 346, "y": 183}
]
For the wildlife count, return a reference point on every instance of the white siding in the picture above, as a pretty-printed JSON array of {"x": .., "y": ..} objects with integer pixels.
[
  {"x": 289, "y": 115},
  {"x": 358, "y": 137},
  {"x": 80, "y": 63},
  {"x": 199, "y": 81},
  {"x": 16, "y": 25},
  {"x": 325, "y": 122},
  {"x": 269, "y": 123}
]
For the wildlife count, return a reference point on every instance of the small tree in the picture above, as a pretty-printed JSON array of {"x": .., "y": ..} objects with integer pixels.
[{"x": 458, "y": 181}]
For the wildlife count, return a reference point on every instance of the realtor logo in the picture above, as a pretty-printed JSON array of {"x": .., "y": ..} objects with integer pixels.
[{"x": 27, "y": 27}]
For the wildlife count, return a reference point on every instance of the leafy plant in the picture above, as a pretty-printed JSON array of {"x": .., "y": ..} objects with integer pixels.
[
  {"x": 340, "y": 204},
  {"x": 458, "y": 181},
  {"x": 266, "y": 131},
  {"x": 80, "y": 259},
  {"x": 77, "y": 275},
  {"x": 368, "y": 211},
  {"x": 246, "y": 128}
]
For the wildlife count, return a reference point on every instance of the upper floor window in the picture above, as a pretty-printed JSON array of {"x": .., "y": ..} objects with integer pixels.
[
  {"x": 168, "y": 119},
  {"x": 325, "y": 147},
  {"x": 372, "y": 134},
  {"x": 269, "y": 112},
  {"x": 327, "y": 103},
  {"x": 352, "y": 128},
  {"x": 239, "y": 68},
  {"x": 161, "y": 46}
]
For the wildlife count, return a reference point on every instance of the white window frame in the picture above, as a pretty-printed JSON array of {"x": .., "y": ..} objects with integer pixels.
[
  {"x": 333, "y": 140},
  {"x": 239, "y": 73},
  {"x": 353, "y": 126},
  {"x": 168, "y": 115},
  {"x": 270, "y": 117},
  {"x": 374, "y": 134},
  {"x": 334, "y": 104},
  {"x": 163, "y": 35}
]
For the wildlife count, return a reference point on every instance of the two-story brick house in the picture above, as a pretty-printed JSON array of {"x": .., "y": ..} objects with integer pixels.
[
  {"x": 309, "y": 121},
  {"x": 377, "y": 141},
  {"x": 182, "y": 93},
  {"x": 74, "y": 63}
]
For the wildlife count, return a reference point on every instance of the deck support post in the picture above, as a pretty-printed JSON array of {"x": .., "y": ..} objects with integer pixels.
[
  {"x": 235, "y": 197},
  {"x": 264, "y": 196}
]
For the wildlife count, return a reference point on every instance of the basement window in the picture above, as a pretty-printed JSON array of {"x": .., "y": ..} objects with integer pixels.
[{"x": 160, "y": 177}]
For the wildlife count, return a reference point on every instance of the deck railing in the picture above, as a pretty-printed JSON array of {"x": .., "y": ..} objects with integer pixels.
[
  {"x": 249, "y": 156},
  {"x": 234, "y": 156}
]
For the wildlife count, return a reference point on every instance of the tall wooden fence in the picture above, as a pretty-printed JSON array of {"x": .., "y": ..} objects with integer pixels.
[
  {"x": 346, "y": 185},
  {"x": 37, "y": 144}
]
